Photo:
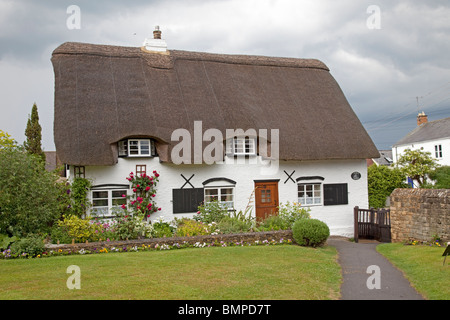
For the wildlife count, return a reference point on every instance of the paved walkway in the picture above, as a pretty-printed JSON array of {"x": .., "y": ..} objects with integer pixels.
[{"x": 361, "y": 264}]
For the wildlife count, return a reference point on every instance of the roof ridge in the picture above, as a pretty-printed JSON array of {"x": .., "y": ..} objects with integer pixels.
[
  {"x": 424, "y": 132},
  {"x": 167, "y": 60}
]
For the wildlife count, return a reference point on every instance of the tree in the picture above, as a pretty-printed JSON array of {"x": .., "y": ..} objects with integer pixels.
[
  {"x": 33, "y": 133},
  {"x": 6, "y": 141},
  {"x": 441, "y": 177},
  {"x": 417, "y": 165},
  {"x": 29, "y": 195},
  {"x": 382, "y": 180}
]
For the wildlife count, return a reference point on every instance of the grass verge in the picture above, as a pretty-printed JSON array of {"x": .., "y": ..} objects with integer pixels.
[
  {"x": 287, "y": 272},
  {"x": 423, "y": 266}
]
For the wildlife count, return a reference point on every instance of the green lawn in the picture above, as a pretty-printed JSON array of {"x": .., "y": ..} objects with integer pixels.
[
  {"x": 231, "y": 273},
  {"x": 423, "y": 266}
]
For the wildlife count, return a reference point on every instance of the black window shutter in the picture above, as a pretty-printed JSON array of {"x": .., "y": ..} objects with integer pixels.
[
  {"x": 187, "y": 200},
  {"x": 335, "y": 194}
]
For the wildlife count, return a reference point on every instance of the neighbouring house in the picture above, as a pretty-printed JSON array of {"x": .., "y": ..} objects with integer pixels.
[
  {"x": 384, "y": 159},
  {"x": 429, "y": 136},
  {"x": 131, "y": 109},
  {"x": 52, "y": 162}
]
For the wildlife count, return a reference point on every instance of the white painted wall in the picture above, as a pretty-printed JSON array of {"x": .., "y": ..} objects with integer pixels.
[{"x": 339, "y": 218}]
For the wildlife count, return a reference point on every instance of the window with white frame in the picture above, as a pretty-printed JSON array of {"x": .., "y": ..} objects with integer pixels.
[
  {"x": 438, "y": 151},
  {"x": 104, "y": 201},
  {"x": 136, "y": 148},
  {"x": 241, "y": 146},
  {"x": 224, "y": 195},
  {"x": 310, "y": 193}
]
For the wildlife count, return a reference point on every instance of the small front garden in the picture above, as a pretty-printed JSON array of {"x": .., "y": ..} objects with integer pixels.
[
  {"x": 28, "y": 231},
  {"x": 128, "y": 232}
]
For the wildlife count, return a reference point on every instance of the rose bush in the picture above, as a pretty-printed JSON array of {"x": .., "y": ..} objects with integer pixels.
[{"x": 144, "y": 192}]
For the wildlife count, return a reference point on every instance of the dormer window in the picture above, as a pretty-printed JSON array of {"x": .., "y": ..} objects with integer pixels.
[
  {"x": 244, "y": 146},
  {"x": 136, "y": 148}
]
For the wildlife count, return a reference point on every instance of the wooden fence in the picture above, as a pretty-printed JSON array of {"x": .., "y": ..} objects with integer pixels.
[{"x": 372, "y": 224}]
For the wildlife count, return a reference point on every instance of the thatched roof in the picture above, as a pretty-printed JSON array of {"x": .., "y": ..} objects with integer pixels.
[{"x": 104, "y": 94}]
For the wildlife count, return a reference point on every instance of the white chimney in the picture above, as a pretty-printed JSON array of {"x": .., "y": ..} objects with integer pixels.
[{"x": 156, "y": 44}]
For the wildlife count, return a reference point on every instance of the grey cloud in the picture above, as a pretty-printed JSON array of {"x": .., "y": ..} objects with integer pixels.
[{"x": 380, "y": 71}]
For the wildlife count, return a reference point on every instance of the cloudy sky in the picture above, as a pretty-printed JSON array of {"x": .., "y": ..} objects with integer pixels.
[{"x": 391, "y": 58}]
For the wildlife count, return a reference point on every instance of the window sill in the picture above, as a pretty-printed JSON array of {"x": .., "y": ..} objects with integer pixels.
[{"x": 312, "y": 205}]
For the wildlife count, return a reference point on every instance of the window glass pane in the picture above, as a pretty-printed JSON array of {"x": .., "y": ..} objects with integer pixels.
[
  {"x": 211, "y": 194},
  {"x": 250, "y": 146},
  {"x": 117, "y": 197},
  {"x": 229, "y": 146},
  {"x": 118, "y": 193},
  {"x": 119, "y": 202},
  {"x": 123, "y": 148},
  {"x": 227, "y": 204},
  {"x": 226, "y": 197},
  {"x": 226, "y": 191},
  {"x": 100, "y": 211},
  {"x": 133, "y": 147},
  {"x": 100, "y": 203},
  {"x": 100, "y": 194},
  {"x": 145, "y": 147}
]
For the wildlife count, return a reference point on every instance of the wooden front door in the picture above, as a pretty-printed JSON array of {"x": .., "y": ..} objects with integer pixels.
[{"x": 266, "y": 199}]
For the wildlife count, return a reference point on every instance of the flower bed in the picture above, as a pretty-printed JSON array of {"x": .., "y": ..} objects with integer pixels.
[{"x": 221, "y": 240}]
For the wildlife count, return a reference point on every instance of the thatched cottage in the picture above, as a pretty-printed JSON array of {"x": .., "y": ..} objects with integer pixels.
[{"x": 133, "y": 109}]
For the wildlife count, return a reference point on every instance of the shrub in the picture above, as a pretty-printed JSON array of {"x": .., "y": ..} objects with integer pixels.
[
  {"x": 211, "y": 212},
  {"x": 5, "y": 241},
  {"x": 59, "y": 234},
  {"x": 128, "y": 226},
  {"x": 79, "y": 195},
  {"x": 29, "y": 194},
  {"x": 160, "y": 229},
  {"x": 310, "y": 232},
  {"x": 273, "y": 223},
  {"x": 441, "y": 176},
  {"x": 291, "y": 212},
  {"x": 74, "y": 227},
  {"x": 382, "y": 181},
  {"x": 31, "y": 245},
  {"x": 234, "y": 225},
  {"x": 190, "y": 228}
]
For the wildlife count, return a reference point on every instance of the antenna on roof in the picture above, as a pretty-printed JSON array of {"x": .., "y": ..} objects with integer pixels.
[{"x": 417, "y": 99}]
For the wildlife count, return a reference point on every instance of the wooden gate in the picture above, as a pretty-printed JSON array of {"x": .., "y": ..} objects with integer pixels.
[{"x": 372, "y": 224}]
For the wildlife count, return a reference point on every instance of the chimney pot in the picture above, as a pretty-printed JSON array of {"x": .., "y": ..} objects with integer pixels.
[
  {"x": 422, "y": 118},
  {"x": 157, "y": 33}
]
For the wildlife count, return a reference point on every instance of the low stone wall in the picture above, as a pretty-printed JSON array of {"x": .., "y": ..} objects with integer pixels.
[
  {"x": 420, "y": 214},
  {"x": 238, "y": 237}
]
